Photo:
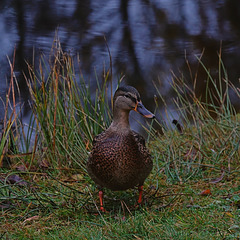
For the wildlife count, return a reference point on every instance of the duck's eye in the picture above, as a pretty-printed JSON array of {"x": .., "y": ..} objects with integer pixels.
[{"x": 130, "y": 97}]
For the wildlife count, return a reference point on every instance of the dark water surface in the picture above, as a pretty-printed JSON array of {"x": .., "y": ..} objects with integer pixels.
[{"x": 148, "y": 39}]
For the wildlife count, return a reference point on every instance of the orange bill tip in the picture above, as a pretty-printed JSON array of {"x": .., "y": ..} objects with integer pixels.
[
  {"x": 149, "y": 116},
  {"x": 143, "y": 111}
]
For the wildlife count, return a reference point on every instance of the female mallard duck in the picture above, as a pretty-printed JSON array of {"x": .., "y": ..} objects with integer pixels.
[{"x": 119, "y": 159}]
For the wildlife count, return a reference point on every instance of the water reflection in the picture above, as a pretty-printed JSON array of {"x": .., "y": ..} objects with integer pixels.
[{"x": 147, "y": 39}]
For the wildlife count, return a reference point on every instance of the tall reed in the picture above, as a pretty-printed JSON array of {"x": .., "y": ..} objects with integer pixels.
[
  {"x": 67, "y": 116},
  {"x": 209, "y": 140}
]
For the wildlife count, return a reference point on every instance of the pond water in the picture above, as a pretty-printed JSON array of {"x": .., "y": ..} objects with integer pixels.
[{"x": 148, "y": 39}]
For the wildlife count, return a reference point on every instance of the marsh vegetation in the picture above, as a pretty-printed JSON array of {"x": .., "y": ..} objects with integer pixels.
[{"x": 193, "y": 191}]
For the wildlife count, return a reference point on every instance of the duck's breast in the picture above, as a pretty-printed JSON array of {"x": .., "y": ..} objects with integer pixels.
[{"x": 119, "y": 161}]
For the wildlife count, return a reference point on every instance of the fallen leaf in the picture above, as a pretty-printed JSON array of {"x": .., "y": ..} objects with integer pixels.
[
  {"x": 44, "y": 163},
  {"x": 205, "y": 192},
  {"x": 68, "y": 179},
  {"x": 15, "y": 179},
  {"x": 77, "y": 177},
  {"x": 21, "y": 168},
  {"x": 73, "y": 178}
]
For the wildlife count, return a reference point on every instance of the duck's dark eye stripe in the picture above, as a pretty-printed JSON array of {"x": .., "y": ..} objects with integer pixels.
[{"x": 132, "y": 98}]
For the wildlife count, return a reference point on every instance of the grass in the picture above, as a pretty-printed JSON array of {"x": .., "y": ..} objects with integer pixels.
[
  {"x": 193, "y": 191},
  {"x": 179, "y": 212}
]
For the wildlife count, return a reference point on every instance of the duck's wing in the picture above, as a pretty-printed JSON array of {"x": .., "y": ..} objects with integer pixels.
[{"x": 139, "y": 139}]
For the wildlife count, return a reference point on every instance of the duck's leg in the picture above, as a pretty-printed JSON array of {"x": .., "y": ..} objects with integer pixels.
[
  {"x": 100, "y": 194},
  {"x": 140, "y": 190}
]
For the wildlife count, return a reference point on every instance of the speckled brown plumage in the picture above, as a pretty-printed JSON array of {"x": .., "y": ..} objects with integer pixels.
[{"x": 119, "y": 159}]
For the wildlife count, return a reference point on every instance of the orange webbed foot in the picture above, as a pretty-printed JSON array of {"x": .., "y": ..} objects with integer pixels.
[
  {"x": 140, "y": 191},
  {"x": 100, "y": 194}
]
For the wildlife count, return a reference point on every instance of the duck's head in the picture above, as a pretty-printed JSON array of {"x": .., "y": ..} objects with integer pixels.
[{"x": 127, "y": 98}]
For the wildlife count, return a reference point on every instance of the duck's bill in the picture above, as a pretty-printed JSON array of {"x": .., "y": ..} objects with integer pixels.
[{"x": 143, "y": 111}]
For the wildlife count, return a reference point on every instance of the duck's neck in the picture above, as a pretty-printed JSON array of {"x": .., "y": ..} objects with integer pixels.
[{"x": 120, "y": 119}]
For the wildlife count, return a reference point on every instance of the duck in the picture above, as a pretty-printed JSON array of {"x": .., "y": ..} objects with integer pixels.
[{"x": 119, "y": 159}]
